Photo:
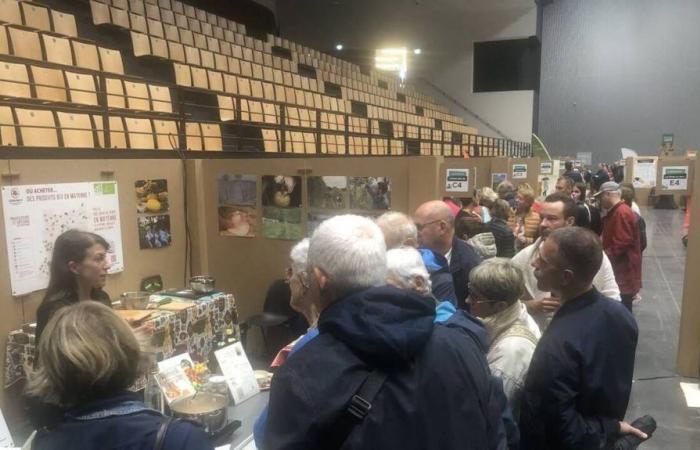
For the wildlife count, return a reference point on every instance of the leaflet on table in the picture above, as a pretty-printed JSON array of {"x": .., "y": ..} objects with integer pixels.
[
  {"x": 238, "y": 372},
  {"x": 173, "y": 380},
  {"x": 35, "y": 215},
  {"x": 5, "y": 436}
]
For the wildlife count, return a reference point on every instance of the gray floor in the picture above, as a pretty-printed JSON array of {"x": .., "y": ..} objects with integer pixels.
[{"x": 658, "y": 317}]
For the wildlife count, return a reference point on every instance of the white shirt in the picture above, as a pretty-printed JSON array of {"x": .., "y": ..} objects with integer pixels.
[
  {"x": 604, "y": 280},
  {"x": 448, "y": 256}
]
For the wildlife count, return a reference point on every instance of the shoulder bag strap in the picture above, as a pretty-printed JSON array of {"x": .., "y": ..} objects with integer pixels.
[
  {"x": 162, "y": 431},
  {"x": 356, "y": 411}
]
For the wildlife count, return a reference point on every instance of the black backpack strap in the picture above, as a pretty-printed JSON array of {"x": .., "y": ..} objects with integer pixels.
[
  {"x": 162, "y": 431},
  {"x": 356, "y": 411}
]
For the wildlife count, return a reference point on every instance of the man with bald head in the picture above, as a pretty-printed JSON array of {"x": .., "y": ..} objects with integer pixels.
[
  {"x": 435, "y": 225},
  {"x": 400, "y": 231}
]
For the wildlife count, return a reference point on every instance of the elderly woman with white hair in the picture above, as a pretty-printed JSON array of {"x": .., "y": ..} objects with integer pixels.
[{"x": 495, "y": 287}]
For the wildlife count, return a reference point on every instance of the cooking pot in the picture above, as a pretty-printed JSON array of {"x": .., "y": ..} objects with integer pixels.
[
  {"x": 135, "y": 300},
  {"x": 205, "y": 408},
  {"x": 202, "y": 284}
]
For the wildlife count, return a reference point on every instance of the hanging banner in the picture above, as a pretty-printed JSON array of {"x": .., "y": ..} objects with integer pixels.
[
  {"x": 674, "y": 178},
  {"x": 519, "y": 171},
  {"x": 457, "y": 180},
  {"x": 35, "y": 215}
]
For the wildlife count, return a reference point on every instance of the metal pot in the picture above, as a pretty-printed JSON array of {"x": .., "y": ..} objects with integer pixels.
[
  {"x": 205, "y": 408},
  {"x": 135, "y": 300},
  {"x": 202, "y": 284}
]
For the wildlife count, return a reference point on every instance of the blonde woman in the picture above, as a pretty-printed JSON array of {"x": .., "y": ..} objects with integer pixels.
[{"x": 88, "y": 358}]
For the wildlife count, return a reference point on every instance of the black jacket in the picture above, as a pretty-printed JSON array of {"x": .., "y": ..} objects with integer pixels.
[
  {"x": 580, "y": 376},
  {"x": 49, "y": 306},
  {"x": 576, "y": 176},
  {"x": 436, "y": 395},
  {"x": 464, "y": 258},
  {"x": 505, "y": 240},
  {"x": 599, "y": 178}
]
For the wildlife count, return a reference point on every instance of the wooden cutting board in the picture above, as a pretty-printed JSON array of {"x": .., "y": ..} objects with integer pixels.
[
  {"x": 176, "y": 306},
  {"x": 133, "y": 315}
]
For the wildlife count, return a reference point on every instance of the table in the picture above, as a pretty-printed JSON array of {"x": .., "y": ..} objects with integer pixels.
[
  {"x": 190, "y": 330},
  {"x": 247, "y": 412}
]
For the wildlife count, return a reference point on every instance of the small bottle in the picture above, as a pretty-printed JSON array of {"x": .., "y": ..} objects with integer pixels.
[{"x": 152, "y": 395}]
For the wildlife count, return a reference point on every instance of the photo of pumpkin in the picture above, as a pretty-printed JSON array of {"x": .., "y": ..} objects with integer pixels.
[{"x": 151, "y": 196}]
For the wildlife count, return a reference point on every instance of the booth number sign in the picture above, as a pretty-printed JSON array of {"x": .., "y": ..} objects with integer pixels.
[
  {"x": 457, "y": 180},
  {"x": 674, "y": 178}
]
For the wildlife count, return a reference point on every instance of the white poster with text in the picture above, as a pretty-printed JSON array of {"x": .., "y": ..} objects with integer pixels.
[{"x": 35, "y": 215}]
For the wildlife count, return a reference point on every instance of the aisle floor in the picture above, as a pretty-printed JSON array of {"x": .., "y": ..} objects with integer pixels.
[{"x": 656, "y": 390}]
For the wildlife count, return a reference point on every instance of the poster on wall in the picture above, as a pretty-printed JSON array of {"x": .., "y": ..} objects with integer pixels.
[
  {"x": 154, "y": 231},
  {"x": 237, "y": 205},
  {"x": 151, "y": 196},
  {"x": 457, "y": 180},
  {"x": 498, "y": 178},
  {"x": 281, "y": 201},
  {"x": 519, "y": 171},
  {"x": 328, "y": 192},
  {"x": 644, "y": 172},
  {"x": 546, "y": 168},
  {"x": 370, "y": 193},
  {"x": 674, "y": 178},
  {"x": 35, "y": 215}
]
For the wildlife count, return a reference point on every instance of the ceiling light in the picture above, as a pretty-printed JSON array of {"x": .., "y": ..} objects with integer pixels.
[
  {"x": 417, "y": 51},
  {"x": 339, "y": 47}
]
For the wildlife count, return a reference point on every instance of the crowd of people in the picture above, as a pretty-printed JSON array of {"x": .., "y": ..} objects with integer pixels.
[{"x": 501, "y": 321}]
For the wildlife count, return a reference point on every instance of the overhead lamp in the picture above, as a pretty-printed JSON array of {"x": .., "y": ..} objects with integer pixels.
[
  {"x": 339, "y": 47},
  {"x": 417, "y": 51}
]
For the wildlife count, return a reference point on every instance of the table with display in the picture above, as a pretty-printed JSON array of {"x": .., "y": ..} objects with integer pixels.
[{"x": 181, "y": 326}]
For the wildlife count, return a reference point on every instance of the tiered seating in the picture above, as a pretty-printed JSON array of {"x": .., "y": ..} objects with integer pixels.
[
  {"x": 42, "y": 61},
  {"x": 211, "y": 53}
]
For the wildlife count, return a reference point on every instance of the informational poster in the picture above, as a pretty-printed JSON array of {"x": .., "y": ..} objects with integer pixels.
[
  {"x": 238, "y": 372},
  {"x": 457, "y": 180},
  {"x": 546, "y": 168},
  {"x": 35, "y": 215},
  {"x": 644, "y": 172},
  {"x": 498, "y": 178},
  {"x": 674, "y": 178},
  {"x": 519, "y": 171},
  {"x": 585, "y": 158}
]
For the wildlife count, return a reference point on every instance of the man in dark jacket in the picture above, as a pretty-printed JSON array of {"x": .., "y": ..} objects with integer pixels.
[
  {"x": 436, "y": 394},
  {"x": 435, "y": 224},
  {"x": 400, "y": 231},
  {"x": 571, "y": 173},
  {"x": 600, "y": 177},
  {"x": 580, "y": 377}
]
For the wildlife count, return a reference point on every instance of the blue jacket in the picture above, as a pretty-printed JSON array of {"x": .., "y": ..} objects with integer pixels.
[
  {"x": 580, "y": 377},
  {"x": 436, "y": 395},
  {"x": 464, "y": 259},
  {"x": 121, "y": 429},
  {"x": 440, "y": 277}
]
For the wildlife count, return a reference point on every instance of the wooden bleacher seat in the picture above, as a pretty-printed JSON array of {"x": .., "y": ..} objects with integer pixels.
[
  {"x": 227, "y": 111},
  {"x": 194, "y": 26},
  {"x": 200, "y": 41},
  {"x": 138, "y": 23},
  {"x": 111, "y": 61},
  {"x": 14, "y": 80},
  {"x": 171, "y": 33},
  {"x": 176, "y": 51},
  {"x": 193, "y": 135},
  {"x": 270, "y": 140},
  {"x": 166, "y": 134},
  {"x": 8, "y": 135},
  {"x": 294, "y": 142},
  {"x": 182, "y": 22},
  {"x": 58, "y": 50},
  {"x": 64, "y": 23},
  {"x": 153, "y": 12},
  {"x": 81, "y": 88},
  {"x": 192, "y": 56},
  {"x": 76, "y": 130},
  {"x": 207, "y": 58},
  {"x": 155, "y": 28},
  {"x": 168, "y": 17},
  {"x": 140, "y": 133},
  {"x": 206, "y": 29},
  {"x": 50, "y": 85},
  {"x": 10, "y": 12},
  {"x": 200, "y": 78},
  {"x": 141, "y": 44},
  {"x": 159, "y": 47},
  {"x": 36, "y": 16},
  {"x": 138, "y": 7},
  {"x": 86, "y": 55},
  {"x": 183, "y": 75},
  {"x": 216, "y": 80},
  {"x": 178, "y": 7},
  {"x": 160, "y": 98},
  {"x": 116, "y": 98},
  {"x": 37, "y": 128},
  {"x": 137, "y": 97},
  {"x": 186, "y": 37},
  {"x": 211, "y": 136},
  {"x": 220, "y": 62},
  {"x": 25, "y": 43},
  {"x": 118, "y": 17}
]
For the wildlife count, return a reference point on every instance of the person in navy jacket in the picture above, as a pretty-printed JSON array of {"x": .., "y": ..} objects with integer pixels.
[{"x": 580, "y": 377}]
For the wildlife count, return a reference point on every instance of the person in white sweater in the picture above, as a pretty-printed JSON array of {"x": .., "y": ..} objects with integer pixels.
[
  {"x": 557, "y": 211},
  {"x": 495, "y": 287}
]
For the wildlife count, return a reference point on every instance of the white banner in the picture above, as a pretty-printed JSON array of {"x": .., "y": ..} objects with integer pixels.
[{"x": 35, "y": 215}]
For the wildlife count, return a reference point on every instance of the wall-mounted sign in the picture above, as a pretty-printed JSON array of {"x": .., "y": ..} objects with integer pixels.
[
  {"x": 457, "y": 180},
  {"x": 519, "y": 171},
  {"x": 35, "y": 215},
  {"x": 546, "y": 168},
  {"x": 674, "y": 178}
]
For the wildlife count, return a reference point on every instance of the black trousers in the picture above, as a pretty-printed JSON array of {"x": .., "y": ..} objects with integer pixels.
[{"x": 627, "y": 300}]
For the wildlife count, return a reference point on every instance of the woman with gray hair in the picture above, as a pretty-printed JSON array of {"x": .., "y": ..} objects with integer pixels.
[{"x": 495, "y": 287}]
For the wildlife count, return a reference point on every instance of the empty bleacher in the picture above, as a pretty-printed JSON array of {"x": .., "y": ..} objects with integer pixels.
[{"x": 223, "y": 87}]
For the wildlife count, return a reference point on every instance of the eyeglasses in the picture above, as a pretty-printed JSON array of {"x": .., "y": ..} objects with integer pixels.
[{"x": 420, "y": 226}]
